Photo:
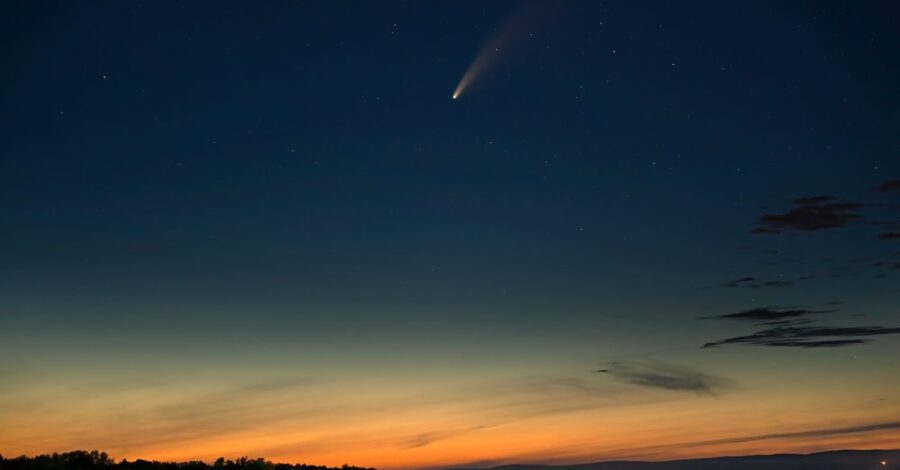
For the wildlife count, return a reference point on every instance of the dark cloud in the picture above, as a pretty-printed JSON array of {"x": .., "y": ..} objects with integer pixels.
[
  {"x": 753, "y": 283},
  {"x": 863, "y": 428},
  {"x": 427, "y": 438},
  {"x": 811, "y": 201},
  {"x": 809, "y": 214},
  {"x": 740, "y": 282},
  {"x": 810, "y": 433},
  {"x": 665, "y": 377},
  {"x": 890, "y": 185},
  {"x": 790, "y": 327},
  {"x": 808, "y": 336},
  {"x": 767, "y": 314},
  {"x": 800, "y": 327},
  {"x": 774, "y": 284},
  {"x": 791, "y": 322}
]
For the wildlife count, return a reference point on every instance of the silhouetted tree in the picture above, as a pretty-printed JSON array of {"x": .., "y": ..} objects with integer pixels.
[{"x": 94, "y": 460}]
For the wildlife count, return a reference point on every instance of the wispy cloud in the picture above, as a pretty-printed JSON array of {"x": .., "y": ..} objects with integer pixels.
[
  {"x": 889, "y": 185},
  {"x": 808, "y": 336},
  {"x": 389, "y": 419},
  {"x": 811, "y": 214},
  {"x": 668, "y": 377},
  {"x": 754, "y": 283},
  {"x": 791, "y": 327},
  {"x": 427, "y": 438},
  {"x": 826, "y": 432},
  {"x": 767, "y": 314},
  {"x": 816, "y": 433}
]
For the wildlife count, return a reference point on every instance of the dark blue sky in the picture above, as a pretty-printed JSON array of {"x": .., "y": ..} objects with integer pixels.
[
  {"x": 174, "y": 170},
  {"x": 314, "y": 146}
]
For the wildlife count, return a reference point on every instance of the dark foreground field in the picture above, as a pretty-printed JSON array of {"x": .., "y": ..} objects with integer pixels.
[
  {"x": 836, "y": 460},
  {"x": 94, "y": 460}
]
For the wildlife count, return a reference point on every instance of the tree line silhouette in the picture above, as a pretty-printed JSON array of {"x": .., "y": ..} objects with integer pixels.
[{"x": 94, "y": 460}]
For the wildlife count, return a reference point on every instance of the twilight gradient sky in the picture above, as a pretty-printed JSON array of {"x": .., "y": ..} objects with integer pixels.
[{"x": 266, "y": 229}]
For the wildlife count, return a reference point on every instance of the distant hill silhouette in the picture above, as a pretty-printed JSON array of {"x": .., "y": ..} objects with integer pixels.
[
  {"x": 94, "y": 460},
  {"x": 835, "y": 460}
]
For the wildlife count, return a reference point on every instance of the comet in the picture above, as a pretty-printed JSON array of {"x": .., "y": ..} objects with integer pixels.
[
  {"x": 502, "y": 42},
  {"x": 482, "y": 61}
]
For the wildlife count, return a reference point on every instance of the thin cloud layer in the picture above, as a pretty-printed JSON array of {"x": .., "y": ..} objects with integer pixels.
[
  {"x": 753, "y": 282},
  {"x": 811, "y": 214},
  {"x": 791, "y": 327},
  {"x": 890, "y": 185},
  {"x": 868, "y": 428},
  {"x": 799, "y": 327},
  {"x": 665, "y": 377},
  {"x": 763, "y": 315},
  {"x": 808, "y": 336}
]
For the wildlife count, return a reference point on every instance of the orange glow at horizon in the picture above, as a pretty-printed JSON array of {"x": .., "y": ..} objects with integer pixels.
[
  {"x": 533, "y": 447},
  {"x": 527, "y": 421}
]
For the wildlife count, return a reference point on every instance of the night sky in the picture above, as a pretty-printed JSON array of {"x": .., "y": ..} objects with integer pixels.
[{"x": 643, "y": 230}]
